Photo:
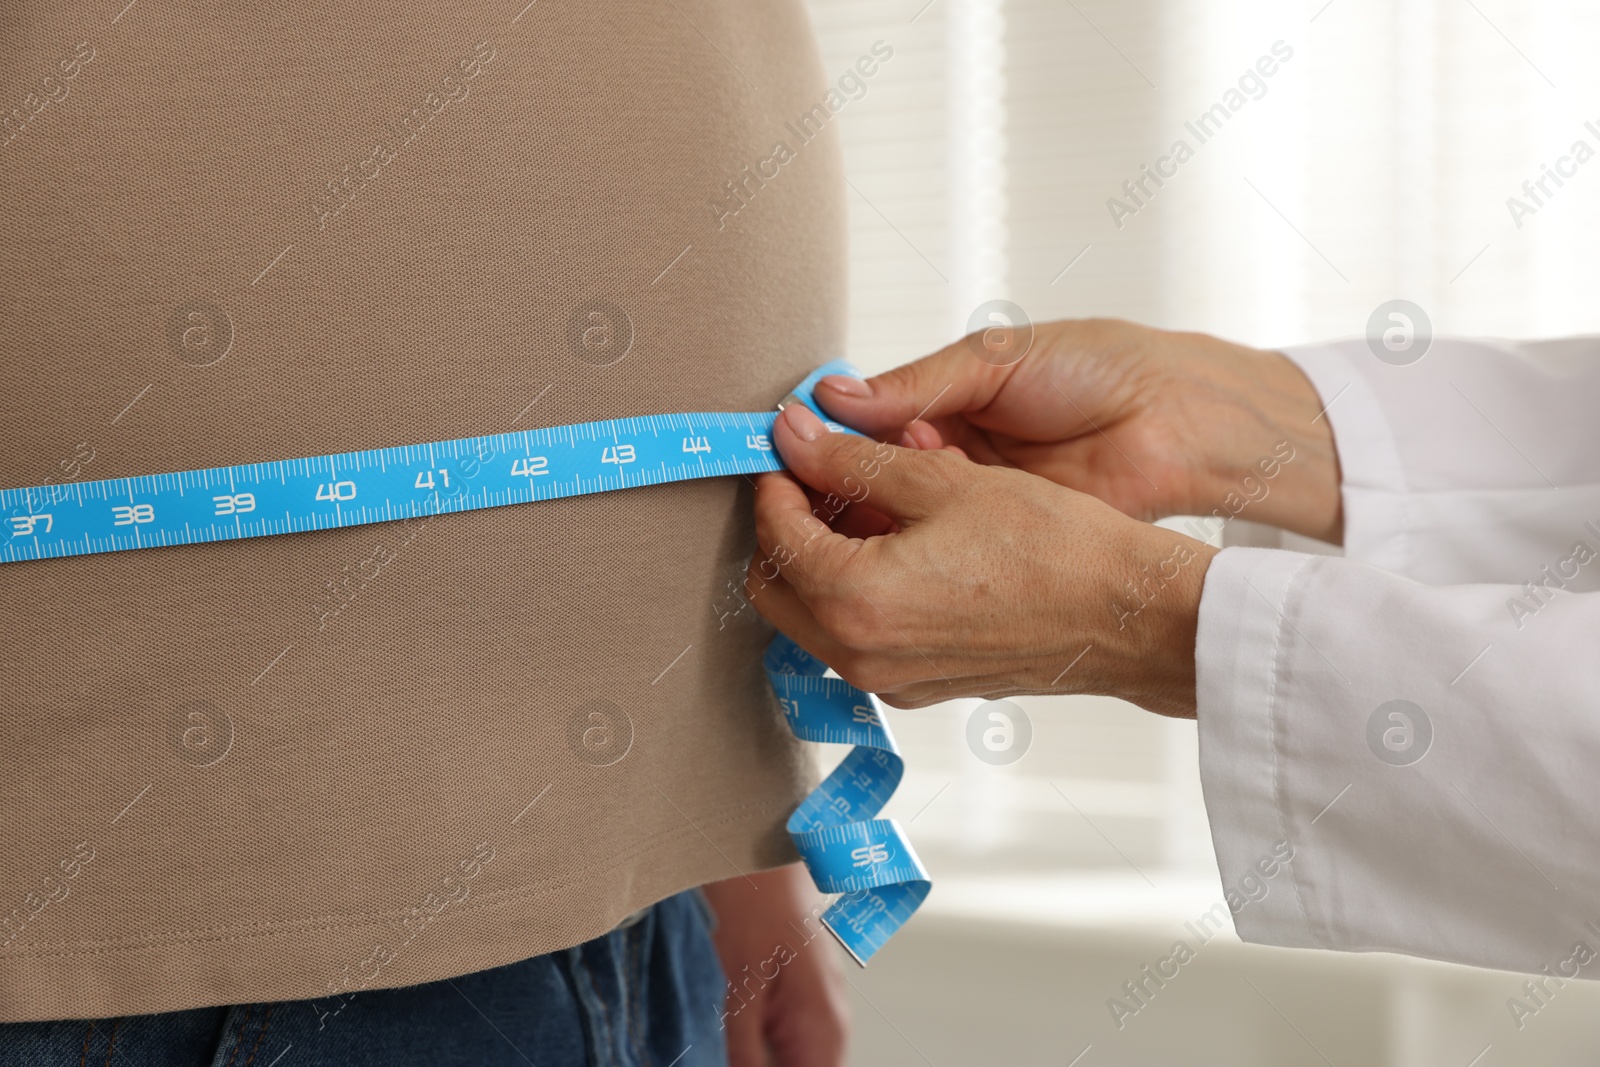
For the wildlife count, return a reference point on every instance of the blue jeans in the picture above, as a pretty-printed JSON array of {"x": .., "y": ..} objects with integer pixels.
[{"x": 648, "y": 994}]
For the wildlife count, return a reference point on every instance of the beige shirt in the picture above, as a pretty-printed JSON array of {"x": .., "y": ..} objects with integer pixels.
[{"x": 309, "y": 765}]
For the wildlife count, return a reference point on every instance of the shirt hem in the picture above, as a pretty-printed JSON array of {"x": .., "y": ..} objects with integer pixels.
[{"x": 330, "y": 961}]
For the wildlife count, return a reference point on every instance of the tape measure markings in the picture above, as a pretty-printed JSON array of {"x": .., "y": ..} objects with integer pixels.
[{"x": 848, "y": 850}]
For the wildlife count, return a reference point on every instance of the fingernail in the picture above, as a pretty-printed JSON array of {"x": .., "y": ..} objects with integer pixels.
[
  {"x": 843, "y": 383},
  {"x": 804, "y": 422},
  {"x": 907, "y": 441}
]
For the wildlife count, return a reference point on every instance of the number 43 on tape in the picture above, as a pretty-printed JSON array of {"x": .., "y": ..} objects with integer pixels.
[{"x": 849, "y": 851}]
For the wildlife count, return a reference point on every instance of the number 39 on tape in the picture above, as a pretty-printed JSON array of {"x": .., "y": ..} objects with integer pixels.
[{"x": 868, "y": 861}]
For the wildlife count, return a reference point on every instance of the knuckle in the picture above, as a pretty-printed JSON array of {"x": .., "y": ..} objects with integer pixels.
[
  {"x": 811, "y": 528},
  {"x": 945, "y": 472},
  {"x": 838, "y": 448},
  {"x": 804, "y": 564}
]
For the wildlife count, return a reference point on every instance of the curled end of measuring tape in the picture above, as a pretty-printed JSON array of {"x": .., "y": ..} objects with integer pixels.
[
  {"x": 867, "y": 860},
  {"x": 847, "y": 849}
]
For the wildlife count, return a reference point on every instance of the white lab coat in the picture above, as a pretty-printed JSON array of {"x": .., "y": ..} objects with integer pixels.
[{"x": 1465, "y": 476}]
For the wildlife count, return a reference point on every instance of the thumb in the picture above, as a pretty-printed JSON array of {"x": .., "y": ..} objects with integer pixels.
[
  {"x": 904, "y": 483},
  {"x": 951, "y": 380}
]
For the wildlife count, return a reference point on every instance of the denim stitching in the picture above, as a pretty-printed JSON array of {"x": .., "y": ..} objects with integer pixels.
[
  {"x": 266, "y": 1020},
  {"x": 111, "y": 1046},
  {"x": 238, "y": 1035}
]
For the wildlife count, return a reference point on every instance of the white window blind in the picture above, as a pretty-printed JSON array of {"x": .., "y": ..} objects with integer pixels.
[{"x": 1376, "y": 161}]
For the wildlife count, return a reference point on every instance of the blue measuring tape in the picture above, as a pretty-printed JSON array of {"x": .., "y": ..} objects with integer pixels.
[{"x": 848, "y": 850}]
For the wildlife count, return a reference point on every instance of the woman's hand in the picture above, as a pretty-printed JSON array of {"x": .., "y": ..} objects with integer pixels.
[
  {"x": 1152, "y": 422},
  {"x": 787, "y": 999},
  {"x": 968, "y": 580}
]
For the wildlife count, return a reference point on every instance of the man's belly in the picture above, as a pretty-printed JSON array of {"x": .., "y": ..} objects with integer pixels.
[{"x": 255, "y": 234}]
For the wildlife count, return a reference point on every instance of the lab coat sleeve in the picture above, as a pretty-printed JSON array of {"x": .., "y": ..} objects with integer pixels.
[
  {"x": 1417, "y": 724},
  {"x": 1468, "y": 465}
]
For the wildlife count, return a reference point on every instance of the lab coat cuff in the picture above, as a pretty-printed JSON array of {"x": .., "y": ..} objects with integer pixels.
[
  {"x": 1242, "y": 620},
  {"x": 1372, "y": 480}
]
